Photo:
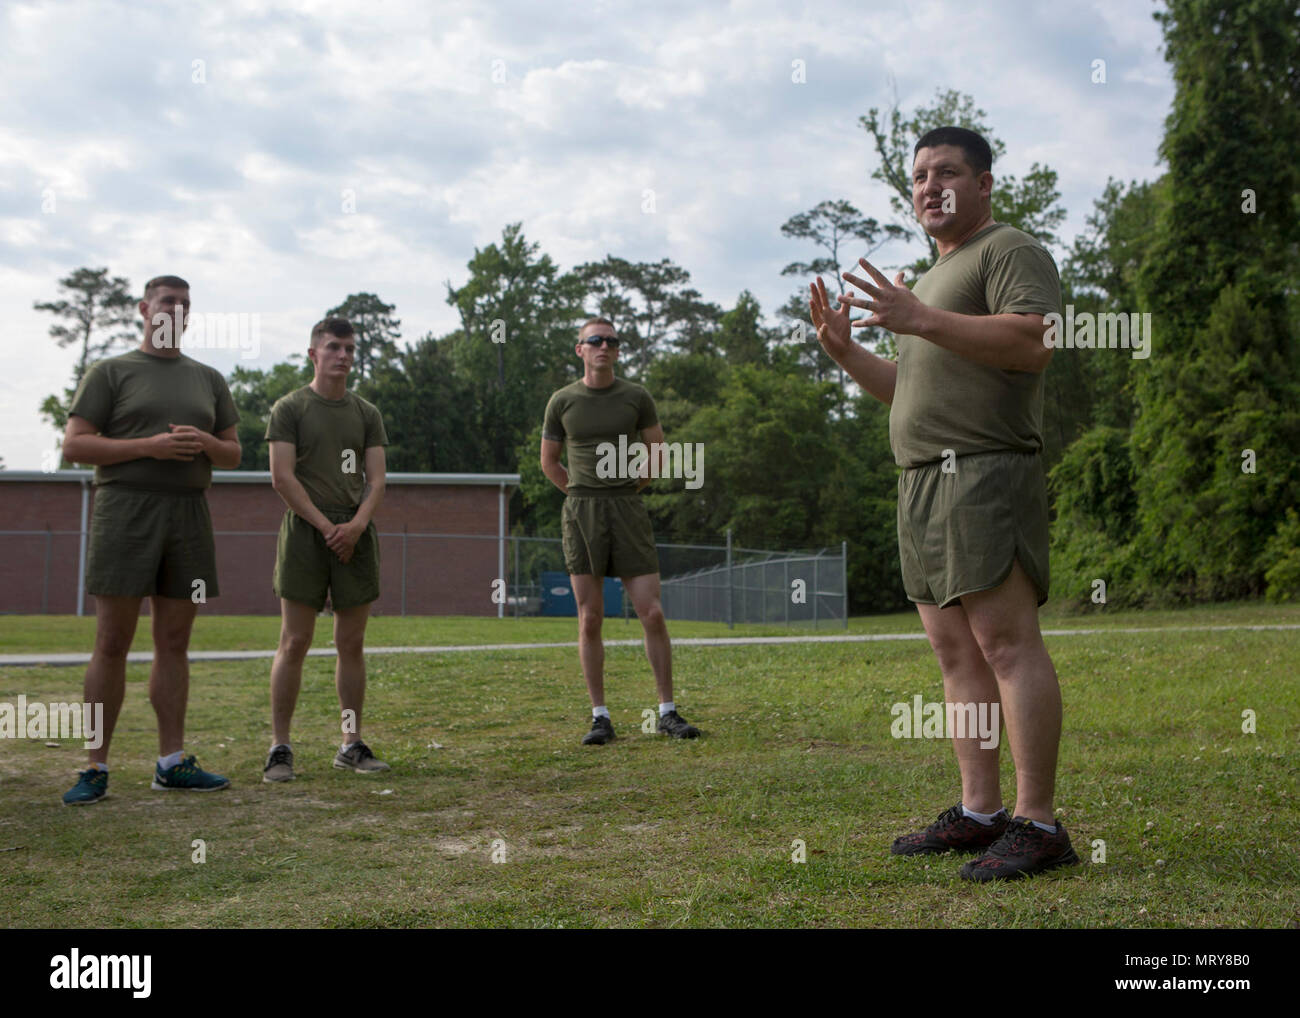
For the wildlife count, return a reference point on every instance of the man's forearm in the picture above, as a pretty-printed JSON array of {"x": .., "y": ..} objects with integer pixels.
[
  {"x": 1012, "y": 342},
  {"x": 558, "y": 475},
  {"x": 99, "y": 451},
  {"x": 877, "y": 375},
  {"x": 225, "y": 455},
  {"x": 371, "y": 496},
  {"x": 295, "y": 496}
]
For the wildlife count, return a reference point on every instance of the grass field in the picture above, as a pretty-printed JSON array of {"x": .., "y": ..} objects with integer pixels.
[{"x": 1199, "y": 819}]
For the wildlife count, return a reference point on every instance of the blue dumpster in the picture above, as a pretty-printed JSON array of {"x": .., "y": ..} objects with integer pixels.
[{"x": 558, "y": 599}]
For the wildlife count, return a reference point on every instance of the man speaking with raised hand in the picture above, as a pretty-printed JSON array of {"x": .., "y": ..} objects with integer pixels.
[{"x": 965, "y": 424}]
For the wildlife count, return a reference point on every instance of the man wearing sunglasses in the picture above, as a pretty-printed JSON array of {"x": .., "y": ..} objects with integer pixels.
[{"x": 606, "y": 528}]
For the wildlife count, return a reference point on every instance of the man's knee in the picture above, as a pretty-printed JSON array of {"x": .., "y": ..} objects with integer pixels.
[
  {"x": 294, "y": 644},
  {"x": 172, "y": 640},
  {"x": 957, "y": 652},
  {"x": 590, "y": 621},
  {"x": 350, "y": 645},
  {"x": 1005, "y": 646},
  {"x": 651, "y": 615},
  {"x": 113, "y": 641}
]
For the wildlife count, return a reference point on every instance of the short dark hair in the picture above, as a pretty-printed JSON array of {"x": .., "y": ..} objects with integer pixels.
[
  {"x": 979, "y": 157},
  {"x": 594, "y": 321},
  {"x": 340, "y": 328},
  {"x": 159, "y": 281}
]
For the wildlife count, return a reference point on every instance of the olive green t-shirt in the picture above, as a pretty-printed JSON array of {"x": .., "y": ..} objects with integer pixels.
[
  {"x": 945, "y": 401},
  {"x": 330, "y": 438},
  {"x": 583, "y": 418},
  {"x": 137, "y": 395}
]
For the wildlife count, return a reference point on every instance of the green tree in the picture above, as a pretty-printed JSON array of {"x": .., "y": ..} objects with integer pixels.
[
  {"x": 377, "y": 333},
  {"x": 428, "y": 407},
  {"x": 652, "y": 306},
  {"x": 255, "y": 391},
  {"x": 1222, "y": 378},
  {"x": 519, "y": 315},
  {"x": 97, "y": 313},
  {"x": 831, "y": 227}
]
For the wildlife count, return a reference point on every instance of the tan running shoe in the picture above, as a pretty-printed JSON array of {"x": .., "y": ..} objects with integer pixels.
[
  {"x": 279, "y": 765},
  {"x": 358, "y": 757}
]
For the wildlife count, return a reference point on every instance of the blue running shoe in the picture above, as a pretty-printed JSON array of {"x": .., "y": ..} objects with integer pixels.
[
  {"x": 187, "y": 776},
  {"x": 91, "y": 786}
]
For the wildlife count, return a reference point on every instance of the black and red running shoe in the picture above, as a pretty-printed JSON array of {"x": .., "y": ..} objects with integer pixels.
[
  {"x": 1021, "y": 852},
  {"x": 954, "y": 831}
]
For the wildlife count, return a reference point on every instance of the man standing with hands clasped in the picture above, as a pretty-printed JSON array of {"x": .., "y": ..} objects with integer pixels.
[
  {"x": 965, "y": 424},
  {"x": 327, "y": 464},
  {"x": 606, "y": 527},
  {"x": 154, "y": 423}
]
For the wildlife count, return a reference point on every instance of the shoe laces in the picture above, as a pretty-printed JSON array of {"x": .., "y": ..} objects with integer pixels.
[
  {"x": 362, "y": 751},
  {"x": 1018, "y": 836},
  {"x": 279, "y": 755},
  {"x": 950, "y": 816}
]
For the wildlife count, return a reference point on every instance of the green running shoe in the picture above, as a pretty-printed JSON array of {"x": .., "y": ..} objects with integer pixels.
[
  {"x": 187, "y": 776},
  {"x": 91, "y": 786}
]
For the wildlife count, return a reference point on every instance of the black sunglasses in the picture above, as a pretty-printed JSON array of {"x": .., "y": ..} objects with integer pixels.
[{"x": 612, "y": 341}]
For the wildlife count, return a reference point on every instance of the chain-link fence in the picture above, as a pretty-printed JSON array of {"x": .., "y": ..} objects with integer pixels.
[{"x": 757, "y": 586}]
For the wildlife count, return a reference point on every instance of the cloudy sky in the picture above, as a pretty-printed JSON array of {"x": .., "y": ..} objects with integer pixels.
[{"x": 283, "y": 155}]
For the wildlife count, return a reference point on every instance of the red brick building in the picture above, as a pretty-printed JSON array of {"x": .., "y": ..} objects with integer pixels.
[{"x": 442, "y": 542}]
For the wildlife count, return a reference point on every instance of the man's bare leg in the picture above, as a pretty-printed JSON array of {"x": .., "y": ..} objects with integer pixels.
[
  {"x": 350, "y": 671},
  {"x": 115, "y": 622},
  {"x": 967, "y": 678},
  {"x": 169, "y": 678},
  {"x": 297, "y": 626},
  {"x": 1004, "y": 622},
  {"x": 589, "y": 591},
  {"x": 644, "y": 592}
]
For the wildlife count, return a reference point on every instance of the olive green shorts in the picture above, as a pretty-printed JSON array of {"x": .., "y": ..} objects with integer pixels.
[
  {"x": 149, "y": 543},
  {"x": 608, "y": 536},
  {"x": 306, "y": 570},
  {"x": 960, "y": 532}
]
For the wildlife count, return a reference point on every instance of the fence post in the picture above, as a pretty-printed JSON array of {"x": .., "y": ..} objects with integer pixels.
[
  {"x": 844, "y": 578},
  {"x": 731, "y": 592},
  {"x": 45, "y": 582},
  {"x": 403, "y": 568},
  {"x": 815, "y": 558},
  {"x": 516, "y": 541},
  {"x": 785, "y": 588}
]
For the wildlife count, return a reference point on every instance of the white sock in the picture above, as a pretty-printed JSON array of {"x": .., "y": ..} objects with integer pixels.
[
  {"x": 171, "y": 759},
  {"x": 103, "y": 767},
  {"x": 345, "y": 746},
  {"x": 599, "y": 712},
  {"x": 667, "y": 708},
  {"x": 1050, "y": 829},
  {"x": 982, "y": 818}
]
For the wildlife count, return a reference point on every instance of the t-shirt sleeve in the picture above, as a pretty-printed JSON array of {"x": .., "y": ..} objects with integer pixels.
[
  {"x": 94, "y": 398},
  {"x": 283, "y": 423},
  {"x": 227, "y": 415},
  {"x": 646, "y": 415},
  {"x": 1023, "y": 280},
  {"x": 552, "y": 423},
  {"x": 375, "y": 433}
]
